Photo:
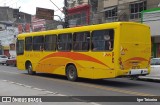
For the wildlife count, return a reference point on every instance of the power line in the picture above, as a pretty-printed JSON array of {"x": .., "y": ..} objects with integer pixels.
[
  {"x": 58, "y": 9},
  {"x": 56, "y": 6}
]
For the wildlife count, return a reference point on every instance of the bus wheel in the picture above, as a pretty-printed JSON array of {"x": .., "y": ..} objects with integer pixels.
[
  {"x": 30, "y": 70},
  {"x": 71, "y": 73}
]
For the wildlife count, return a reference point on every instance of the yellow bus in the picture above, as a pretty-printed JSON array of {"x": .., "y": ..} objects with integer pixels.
[{"x": 100, "y": 51}]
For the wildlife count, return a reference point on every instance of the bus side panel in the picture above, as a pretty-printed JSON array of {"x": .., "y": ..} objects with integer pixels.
[
  {"x": 105, "y": 67},
  {"x": 89, "y": 65},
  {"x": 56, "y": 63},
  {"x": 20, "y": 62}
]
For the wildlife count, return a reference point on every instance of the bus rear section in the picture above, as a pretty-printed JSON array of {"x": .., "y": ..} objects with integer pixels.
[{"x": 135, "y": 50}]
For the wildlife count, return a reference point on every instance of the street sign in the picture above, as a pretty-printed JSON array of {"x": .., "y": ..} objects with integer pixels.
[{"x": 43, "y": 13}]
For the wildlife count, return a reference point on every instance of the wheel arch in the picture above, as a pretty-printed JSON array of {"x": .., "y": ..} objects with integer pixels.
[{"x": 69, "y": 65}]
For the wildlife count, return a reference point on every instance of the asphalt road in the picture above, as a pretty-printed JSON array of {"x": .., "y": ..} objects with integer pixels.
[{"x": 84, "y": 87}]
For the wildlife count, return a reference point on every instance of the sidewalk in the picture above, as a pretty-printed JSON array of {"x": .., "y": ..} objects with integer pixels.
[{"x": 150, "y": 77}]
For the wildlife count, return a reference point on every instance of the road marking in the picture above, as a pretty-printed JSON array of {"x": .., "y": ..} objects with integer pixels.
[
  {"x": 47, "y": 92},
  {"x": 93, "y": 103},
  {"x": 61, "y": 95},
  {"x": 31, "y": 87},
  {"x": 9, "y": 72},
  {"x": 93, "y": 86}
]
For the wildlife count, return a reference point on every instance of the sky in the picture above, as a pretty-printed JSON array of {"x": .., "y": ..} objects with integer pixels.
[{"x": 29, "y": 6}]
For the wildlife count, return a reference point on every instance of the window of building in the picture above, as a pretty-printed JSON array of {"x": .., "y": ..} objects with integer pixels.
[
  {"x": 136, "y": 8},
  {"x": 20, "y": 47},
  {"x": 50, "y": 42},
  {"x": 81, "y": 41},
  {"x": 83, "y": 18},
  {"x": 64, "y": 42},
  {"x": 111, "y": 14},
  {"x": 78, "y": 19},
  {"x": 103, "y": 40},
  {"x": 38, "y": 43},
  {"x": 28, "y": 43}
]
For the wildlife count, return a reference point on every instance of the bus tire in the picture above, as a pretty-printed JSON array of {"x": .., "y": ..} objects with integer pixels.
[
  {"x": 71, "y": 73},
  {"x": 30, "y": 69}
]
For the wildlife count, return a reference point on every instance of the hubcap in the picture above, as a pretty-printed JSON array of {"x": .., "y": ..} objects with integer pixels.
[
  {"x": 29, "y": 69},
  {"x": 71, "y": 73}
]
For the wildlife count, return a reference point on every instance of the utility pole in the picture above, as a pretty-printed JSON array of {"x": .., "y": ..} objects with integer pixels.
[
  {"x": 90, "y": 11},
  {"x": 65, "y": 14},
  {"x": 66, "y": 25}
]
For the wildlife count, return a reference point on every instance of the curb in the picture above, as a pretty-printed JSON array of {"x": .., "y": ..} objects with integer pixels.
[{"x": 149, "y": 78}]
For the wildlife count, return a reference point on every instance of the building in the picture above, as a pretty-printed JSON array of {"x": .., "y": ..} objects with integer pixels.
[
  {"x": 54, "y": 24},
  {"x": 151, "y": 17},
  {"x": 12, "y": 22},
  {"x": 123, "y": 10},
  {"x": 42, "y": 24},
  {"x": 23, "y": 21},
  {"x": 38, "y": 24},
  {"x": 102, "y": 11},
  {"x": 8, "y": 35},
  {"x": 6, "y": 14},
  {"x": 81, "y": 12}
]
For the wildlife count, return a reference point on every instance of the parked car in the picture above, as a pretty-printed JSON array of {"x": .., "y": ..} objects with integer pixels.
[
  {"x": 11, "y": 61},
  {"x": 3, "y": 59},
  {"x": 155, "y": 67}
]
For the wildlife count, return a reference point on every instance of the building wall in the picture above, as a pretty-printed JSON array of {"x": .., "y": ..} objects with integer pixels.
[
  {"x": 38, "y": 24},
  {"x": 151, "y": 4},
  {"x": 6, "y": 14},
  {"x": 109, "y": 3},
  {"x": 123, "y": 8},
  {"x": 75, "y": 3},
  {"x": 23, "y": 18},
  {"x": 99, "y": 14},
  {"x": 53, "y": 24},
  {"x": 151, "y": 17},
  {"x": 8, "y": 35}
]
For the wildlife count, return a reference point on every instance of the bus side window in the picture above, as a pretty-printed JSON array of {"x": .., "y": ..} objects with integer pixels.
[
  {"x": 102, "y": 40},
  {"x": 50, "y": 42},
  {"x": 81, "y": 41},
  {"x": 38, "y": 43},
  {"x": 64, "y": 42},
  {"x": 28, "y": 44}
]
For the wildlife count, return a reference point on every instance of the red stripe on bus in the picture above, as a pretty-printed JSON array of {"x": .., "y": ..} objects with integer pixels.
[
  {"x": 137, "y": 58},
  {"x": 74, "y": 56}
]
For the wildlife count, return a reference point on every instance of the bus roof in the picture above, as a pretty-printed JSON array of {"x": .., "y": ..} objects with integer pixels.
[{"x": 79, "y": 29}]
